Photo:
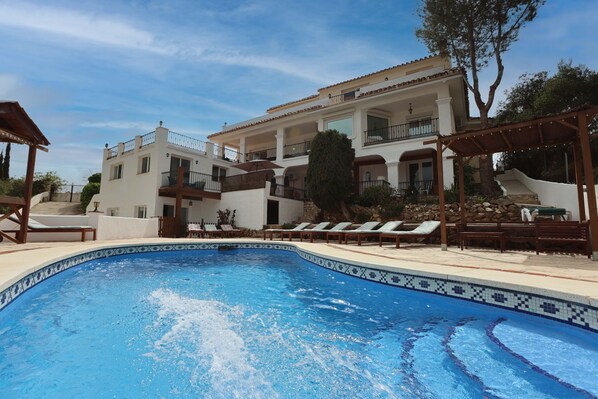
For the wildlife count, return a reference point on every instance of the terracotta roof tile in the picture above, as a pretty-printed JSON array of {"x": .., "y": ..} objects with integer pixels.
[
  {"x": 293, "y": 102},
  {"x": 382, "y": 70}
]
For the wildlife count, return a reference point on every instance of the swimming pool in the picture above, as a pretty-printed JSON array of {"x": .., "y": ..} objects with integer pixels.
[{"x": 252, "y": 323}]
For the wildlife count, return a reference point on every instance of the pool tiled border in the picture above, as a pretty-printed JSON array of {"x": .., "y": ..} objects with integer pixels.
[{"x": 573, "y": 313}]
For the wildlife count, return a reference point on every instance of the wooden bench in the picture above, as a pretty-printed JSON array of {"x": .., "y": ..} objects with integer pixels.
[
  {"x": 466, "y": 236},
  {"x": 568, "y": 237}
]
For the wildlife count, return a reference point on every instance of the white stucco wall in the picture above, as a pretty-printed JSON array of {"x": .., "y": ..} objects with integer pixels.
[
  {"x": 559, "y": 195},
  {"x": 250, "y": 206},
  {"x": 289, "y": 210},
  {"x": 115, "y": 228}
]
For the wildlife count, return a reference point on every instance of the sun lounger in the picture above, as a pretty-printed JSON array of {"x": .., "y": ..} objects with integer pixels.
[
  {"x": 229, "y": 231},
  {"x": 424, "y": 230},
  {"x": 212, "y": 231},
  {"x": 361, "y": 234},
  {"x": 290, "y": 233},
  {"x": 194, "y": 229},
  {"x": 341, "y": 233},
  {"x": 271, "y": 232},
  {"x": 311, "y": 232},
  {"x": 36, "y": 227}
]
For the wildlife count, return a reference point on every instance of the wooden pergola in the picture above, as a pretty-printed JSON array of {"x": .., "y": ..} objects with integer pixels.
[
  {"x": 568, "y": 128},
  {"x": 17, "y": 127}
]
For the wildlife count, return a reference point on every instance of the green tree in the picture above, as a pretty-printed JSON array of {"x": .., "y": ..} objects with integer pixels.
[
  {"x": 538, "y": 95},
  {"x": 90, "y": 189},
  {"x": 5, "y": 164},
  {"x": 475, "y": 33},
  {"x": 95, "y": 178},
  {"x": 330, "y": 171}
]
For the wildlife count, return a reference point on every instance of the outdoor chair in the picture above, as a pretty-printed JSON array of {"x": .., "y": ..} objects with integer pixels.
[
  {"x": 230, "y": 231},
  {"x": 361, "y": 234},
  {"x": 36, "y": 227},
  {"x": 212, "y": 231},
  {"x": 341, "y": 233},
  {"x": 194, "y": 229},
  {"x": 271, "y": 232},
  {"x": 290, "y": 233},
  {"x": 424, "y": 230},
  {"x": 311, "y": 232}
]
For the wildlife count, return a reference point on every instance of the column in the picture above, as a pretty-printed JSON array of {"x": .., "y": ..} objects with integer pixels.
[
  {"x": 210, "y": 150},
  {"x": 320, "y": 125},
  {"x": 161, "y": 135},
  {"x": 448, "y": 170},
  {"x": 360, "y": 124},
  {"x": 392, "y": 173},
  {"x": 279, "y": 144},
  {"x": 242, "y": 149},
  {"x": 137, "y": 142},
  {"x": 446, "y": 119}
]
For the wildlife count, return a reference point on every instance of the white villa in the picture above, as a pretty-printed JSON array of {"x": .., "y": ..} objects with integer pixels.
[{"x": 387, "y": 114}]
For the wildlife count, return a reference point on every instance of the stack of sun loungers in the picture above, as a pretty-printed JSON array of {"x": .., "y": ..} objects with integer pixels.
[
  {"x": 424, "y": 230},
  {"x": 291, "y": 233},
  {"x": 315, "y": 232},
  {"x": 359, "y": 235},
  {"x": 341, "y": 233},
  {"x": 271, "y": 232}
]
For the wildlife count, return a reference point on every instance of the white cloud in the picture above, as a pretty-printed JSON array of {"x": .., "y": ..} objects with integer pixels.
[{"x": 87, "y": 27}]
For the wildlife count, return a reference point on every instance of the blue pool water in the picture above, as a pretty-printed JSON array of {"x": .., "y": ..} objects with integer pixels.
[{"x": 267, "y": 324}]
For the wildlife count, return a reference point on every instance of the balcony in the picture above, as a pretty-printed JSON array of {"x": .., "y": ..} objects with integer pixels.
[
  {"x": 269, "y": 154},
  {"x": 406, "y": 131},
  {"x": 421, "y": 187},
  {"x": 226, "y": 154},
  {"x": 296, "y": 150},
  {"x": 362, "y": 185},
  {"x": 247, "y": 181},
  {"x": 194, "y": 185}
]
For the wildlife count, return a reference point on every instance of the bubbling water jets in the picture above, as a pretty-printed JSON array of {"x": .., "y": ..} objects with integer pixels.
[{"x": 202, "y": 332}]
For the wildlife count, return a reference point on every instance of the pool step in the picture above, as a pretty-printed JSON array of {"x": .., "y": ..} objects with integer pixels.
[
  {"x": 432, "y": 367},
  {"x": 501, "y": 374},
  {"x": 544, "y": 346}
]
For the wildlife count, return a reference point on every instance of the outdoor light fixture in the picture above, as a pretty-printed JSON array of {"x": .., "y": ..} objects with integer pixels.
[
  {"x": 95, "y": 205},
  {"x": 167, "y": 154},
  {"x": 410, "y": 109},
  {"x": 190, "y": 203}
]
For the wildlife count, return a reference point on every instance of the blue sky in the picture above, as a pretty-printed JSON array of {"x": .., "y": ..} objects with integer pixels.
[{"x": 92, "y": 72}]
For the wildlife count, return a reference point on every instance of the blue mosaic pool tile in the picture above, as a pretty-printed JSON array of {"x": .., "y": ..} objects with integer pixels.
[{"x": 577, "y": 314}]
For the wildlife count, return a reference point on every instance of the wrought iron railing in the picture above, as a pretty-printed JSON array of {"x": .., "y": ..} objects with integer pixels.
[
  {"x": 129, "y": 146},
  {"x": 228, "y": 154},
  {"x": 269, "y": 154},
  {"x": 148, "y": 138},
  {"x": 424, "y": 187},
  {"x": 405, "y": 131},
  {"x": 186, "y": 142},
  {"x": 296, "y": 150},
  {"x": 112, "y": 152},
  {"x": 332, "y": 100},
  {"x": 362, "y": 185},
  {"x": 199, "y": 181}
]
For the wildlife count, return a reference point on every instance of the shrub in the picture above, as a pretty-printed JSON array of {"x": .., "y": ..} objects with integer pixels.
[
  {"x": 89, "y": 190},
  {"x": 226, "y": 217},
  {"x": 288, "y": 226},
  {"x": 377, "y": 195},
  {"x": 362, "y": 216},
  {"x": 391, "y": 211}
]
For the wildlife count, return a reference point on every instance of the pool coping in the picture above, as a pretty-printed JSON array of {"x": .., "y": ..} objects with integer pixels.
[{"x": 480, "y": 286}]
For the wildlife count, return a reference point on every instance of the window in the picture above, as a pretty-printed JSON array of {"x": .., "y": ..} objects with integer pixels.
[
  {"x": 344, "y": 125},
  {"x": 117, "y": 172},
  {"x": 141, "y": 211},
  {"x": 218, "y": 173},
  {"x": 144, "y": 164}
]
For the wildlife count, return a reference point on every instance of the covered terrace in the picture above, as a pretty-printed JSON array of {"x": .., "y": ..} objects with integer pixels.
[
  {"x": 566, "y": 128},
  {"x": 17, "y": 127}
]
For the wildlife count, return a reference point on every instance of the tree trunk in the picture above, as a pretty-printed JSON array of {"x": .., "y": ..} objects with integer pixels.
[{"x": 486, "y": 163}]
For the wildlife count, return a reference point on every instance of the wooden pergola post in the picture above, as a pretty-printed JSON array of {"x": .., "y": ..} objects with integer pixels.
[
  {"x": 443, "y": 235},
  {"x": 28, "y": 193},
  {"x": 461, "y": 190},
  {"x": 584, "y": 140},
  {"x": 579, "y": 180}
]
